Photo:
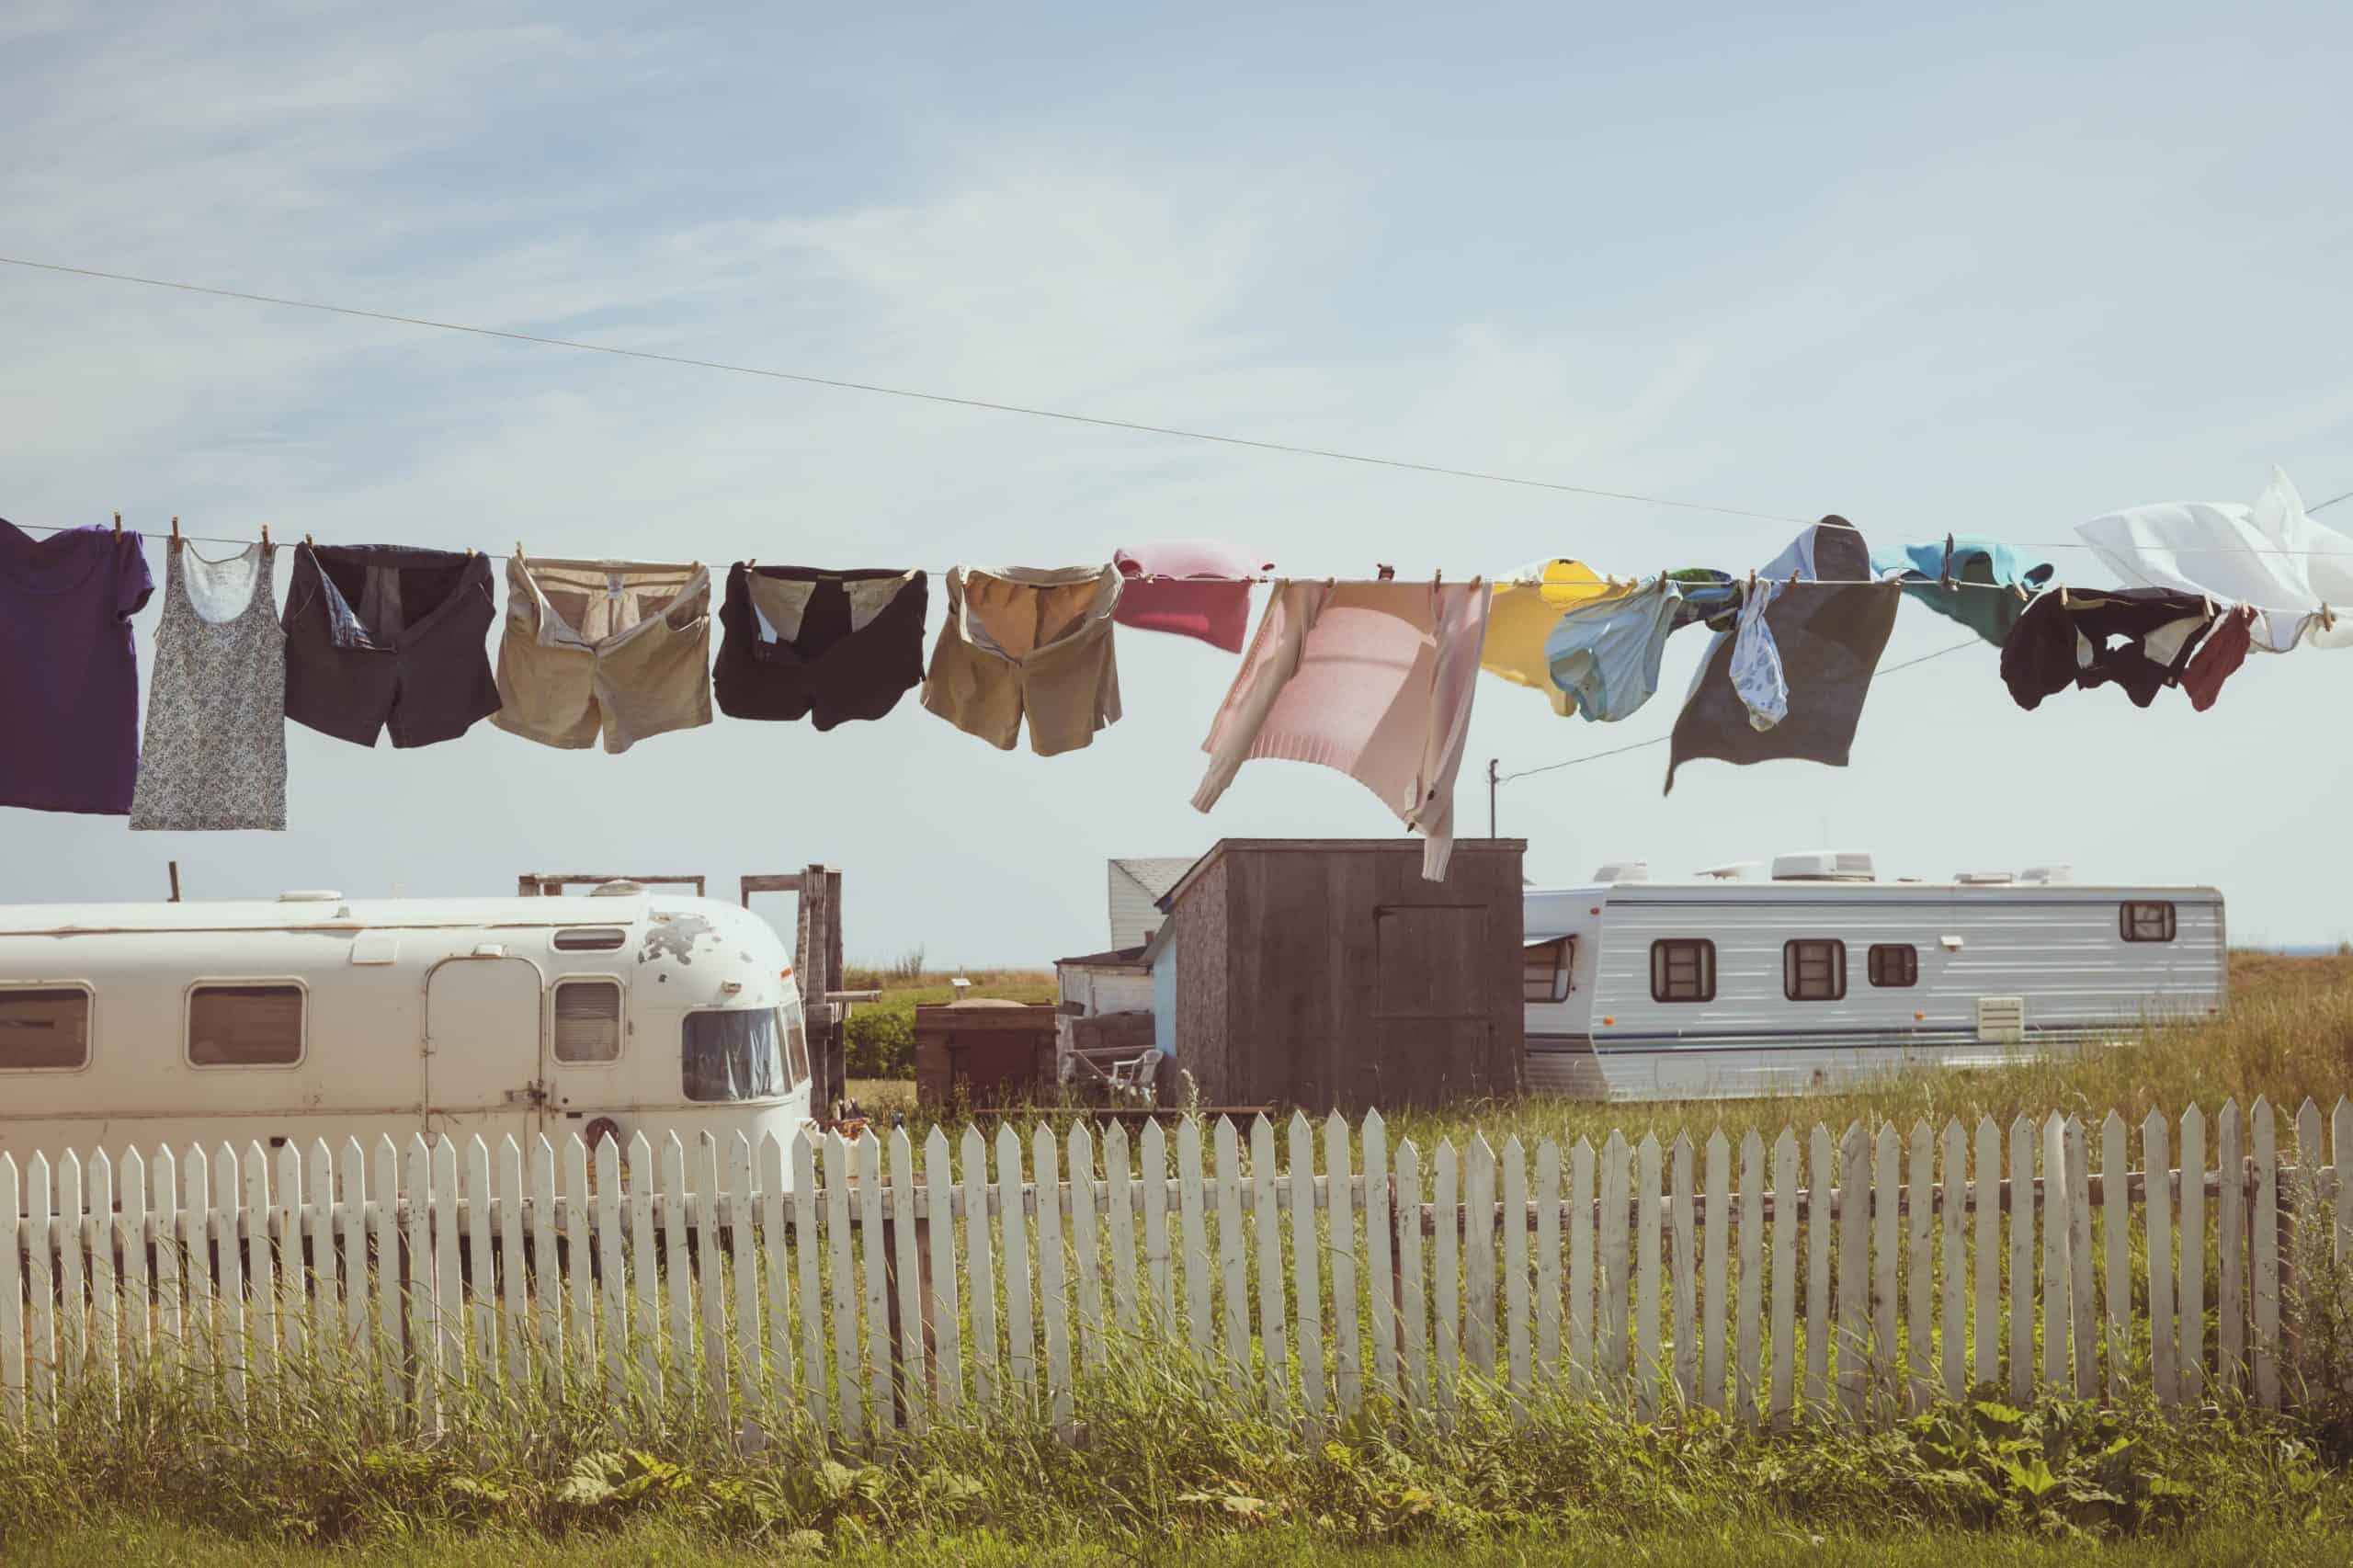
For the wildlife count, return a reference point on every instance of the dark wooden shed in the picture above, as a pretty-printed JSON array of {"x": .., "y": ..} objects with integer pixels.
[{"x": 1327, "y": 975}]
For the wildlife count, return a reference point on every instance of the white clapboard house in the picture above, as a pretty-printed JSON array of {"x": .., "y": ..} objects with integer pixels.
[{"x": 1726, "y": 983}]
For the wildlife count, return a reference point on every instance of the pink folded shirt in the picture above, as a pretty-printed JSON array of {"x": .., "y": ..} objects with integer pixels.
[{"x": 1194, "y": 588}]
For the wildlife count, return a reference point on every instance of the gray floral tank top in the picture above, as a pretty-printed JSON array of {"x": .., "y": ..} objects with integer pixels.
[{"x": 215, "y": 750}]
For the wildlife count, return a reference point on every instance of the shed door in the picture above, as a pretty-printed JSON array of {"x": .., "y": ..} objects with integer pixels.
[{"x": 482, "y": 1048}]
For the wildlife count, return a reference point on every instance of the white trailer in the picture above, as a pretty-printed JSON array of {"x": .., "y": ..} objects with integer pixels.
[
  {"x": 322, "y": 1017},
  {"x": 1722, "y": 986}
]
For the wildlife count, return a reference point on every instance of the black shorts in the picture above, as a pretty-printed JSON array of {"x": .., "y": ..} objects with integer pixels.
[{"x": 383, "y": 635}]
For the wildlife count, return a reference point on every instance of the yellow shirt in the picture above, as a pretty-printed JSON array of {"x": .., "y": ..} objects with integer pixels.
[{"x": 1524, "y": 614}]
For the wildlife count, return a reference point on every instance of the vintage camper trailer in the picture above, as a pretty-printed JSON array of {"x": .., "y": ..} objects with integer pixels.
[
  {"x": 322, "y": 1017},
  {"x": 1725, "y": 984}
]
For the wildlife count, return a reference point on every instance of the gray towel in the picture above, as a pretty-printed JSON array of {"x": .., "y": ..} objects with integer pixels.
[{"x": 1830, "y": 635}]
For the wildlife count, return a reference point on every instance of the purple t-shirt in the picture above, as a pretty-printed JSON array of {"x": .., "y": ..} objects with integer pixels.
[{"x": 69, "y": 670}]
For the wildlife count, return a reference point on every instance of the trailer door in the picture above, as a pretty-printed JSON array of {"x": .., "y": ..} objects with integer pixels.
[{"x": 482, "y": 1047}]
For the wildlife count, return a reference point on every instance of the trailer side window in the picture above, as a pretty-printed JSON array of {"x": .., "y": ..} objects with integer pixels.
[
  {"x": 44, "y": 1029},
  {"x": 1544, "y": 970},
  {"x": 796, "y": 1042},
  {"x": 589, "y": 938},
  {"x": 245, "y": 1026},
  {"x": 1814, "y": 970},
  {"x": 1895, "y": 963},
  {"x": 2147, "y": 921},
  {"x": 1683, "y": 970},
  {"x": 587, "y": 1020}
]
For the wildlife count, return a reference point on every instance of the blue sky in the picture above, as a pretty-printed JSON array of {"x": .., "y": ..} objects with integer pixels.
[{"x": 1992, "y": 270}]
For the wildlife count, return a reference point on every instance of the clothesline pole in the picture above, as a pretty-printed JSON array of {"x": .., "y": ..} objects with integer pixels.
[{"x": 1492, "y": 781}]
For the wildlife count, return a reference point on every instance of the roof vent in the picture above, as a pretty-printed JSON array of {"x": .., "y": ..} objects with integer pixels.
[
  {"x": 2047, "y": 874},
  {"x": 1824, "y": 866},
  {"x": 618, "y": 888},
  {"x": 310, "y": 895},
  {"x": 1731, "y": 872},
  {"x": 1984, "y": 879},
  {"x": 1624, "y": 872}
]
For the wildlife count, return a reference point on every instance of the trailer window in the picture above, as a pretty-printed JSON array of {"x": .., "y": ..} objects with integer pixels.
[
  {"x": 796, "y": 1041},
  {"x": 587, "y": 1020},
  {"x": 1895, "y": 963},
  {"x": 1683, "y": 970},
  {"x": 245, "y": 1026},
  {"x": 2147, "y": 921},
  {"x": 1814, "y": 970},
  {"x": 734, "y": 1055},
  {"x": 44, "y": 1029},
  {"x": 589, "y": 938},
  {"x": 1544, "y": 970}
]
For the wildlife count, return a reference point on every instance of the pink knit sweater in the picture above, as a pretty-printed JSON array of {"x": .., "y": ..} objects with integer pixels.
[{"x": 1372, "y": 678}]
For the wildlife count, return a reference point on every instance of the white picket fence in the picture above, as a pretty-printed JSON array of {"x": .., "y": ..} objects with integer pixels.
[{"x": 705, "y": 1287}]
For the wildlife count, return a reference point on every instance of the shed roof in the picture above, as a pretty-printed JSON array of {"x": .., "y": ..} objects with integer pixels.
[
  {"x": 1117, "y": 957},
  {"x": 1192, "y": 873}
]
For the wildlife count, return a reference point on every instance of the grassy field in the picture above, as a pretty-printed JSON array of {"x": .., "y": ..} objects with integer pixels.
[
  {"x": 2288, "y": 1035},
  {"x": 1167, "y": 1471}
]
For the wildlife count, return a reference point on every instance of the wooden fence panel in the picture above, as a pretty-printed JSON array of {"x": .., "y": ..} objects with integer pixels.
[
  {"x": 2153, "y": 1151},
  {"x": 2264, "y": 1244},
  {"x": 1669, "y": 1267},
  {"x": 1347, "y": 1354}
]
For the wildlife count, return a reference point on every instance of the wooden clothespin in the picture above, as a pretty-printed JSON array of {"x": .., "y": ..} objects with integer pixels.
[
  {"x": 309, "y": 540},
  {"x": 1435, "y": 576},
  {"x": 2327, "y": 620},
  {"x": 1944, "y": 578},
  {"x": 2063, "y": 595},
  {"x": 2023, "y": 595},
  {"x": 176, "y": 533},
  {"x": 1388, "y": 572},
  {"x": 1751, "y": 579},
  {"x": 265, "y": 536},
  {"x": 118, "y": 525}
]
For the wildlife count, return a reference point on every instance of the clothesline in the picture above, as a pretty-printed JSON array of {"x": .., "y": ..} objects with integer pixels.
[{"x": 1314, "y": 577}]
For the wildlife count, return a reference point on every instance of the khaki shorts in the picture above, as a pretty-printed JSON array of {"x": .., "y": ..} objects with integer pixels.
[
  {"x": 604, "y": 648},
  {"x": 1025, "y": 641}
]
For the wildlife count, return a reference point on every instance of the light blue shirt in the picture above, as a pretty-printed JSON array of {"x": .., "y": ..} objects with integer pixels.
[{"x": 1605, "y": 655}]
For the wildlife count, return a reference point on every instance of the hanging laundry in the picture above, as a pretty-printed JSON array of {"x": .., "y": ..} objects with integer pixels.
[
  {"x": 2222, "y": 651},
  {"x": 1710, "y": 596},
  {"x": 1528, "y": 606},
  {"x": 1603, "y": 655},
  {"x": 1827, "y": 630},
  {"x": 69, "y": 668},
  {"x": 2270, "y": 555},
  {"x": 2140, "y": 639},
  {"x": 1373, "y": 678},
  {"x": 384, "y": 636},
  {"x": 215, "y": 754},
  {"x": 1988, "y": 562},
  {"x": 1035, "y": 642},
  {"x": 1756, "y": 661},
  {"x": 1194, "y": 588},
  {"x": 616, "y": 648},
  {"x": 827, "y": 646}
]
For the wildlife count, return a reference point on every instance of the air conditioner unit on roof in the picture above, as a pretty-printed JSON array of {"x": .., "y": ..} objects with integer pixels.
[
  {"x": 1824, "y": 866},
  {"x": 1624, "y": 872}
]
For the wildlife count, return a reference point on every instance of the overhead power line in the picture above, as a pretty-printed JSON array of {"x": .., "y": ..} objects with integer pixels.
[{"x": 843, "y": 384}]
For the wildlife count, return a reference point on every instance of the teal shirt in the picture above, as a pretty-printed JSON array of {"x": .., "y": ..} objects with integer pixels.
[{"x": 1977, "y": 560}]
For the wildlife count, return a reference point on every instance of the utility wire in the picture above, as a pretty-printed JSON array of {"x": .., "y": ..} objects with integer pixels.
[
  {"x": 843, "y": 384},
  {"x": 1662, "y": 740},
  {"x": 1067, "y": 416}
]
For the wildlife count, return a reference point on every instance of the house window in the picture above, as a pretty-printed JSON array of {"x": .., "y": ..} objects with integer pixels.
[
  {"x": 1814, "y": 970},
  {"x": 1895, "y": 963},
  {"x": 587, "y": 1020},
  {"x": 2146, "y": 922},
  {"x": 1544, "y": 970},
  {"x": 44, "y": 1029},
  {"x": 245, "y": 1026},
  {"x": 1683, "y": 970}
]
